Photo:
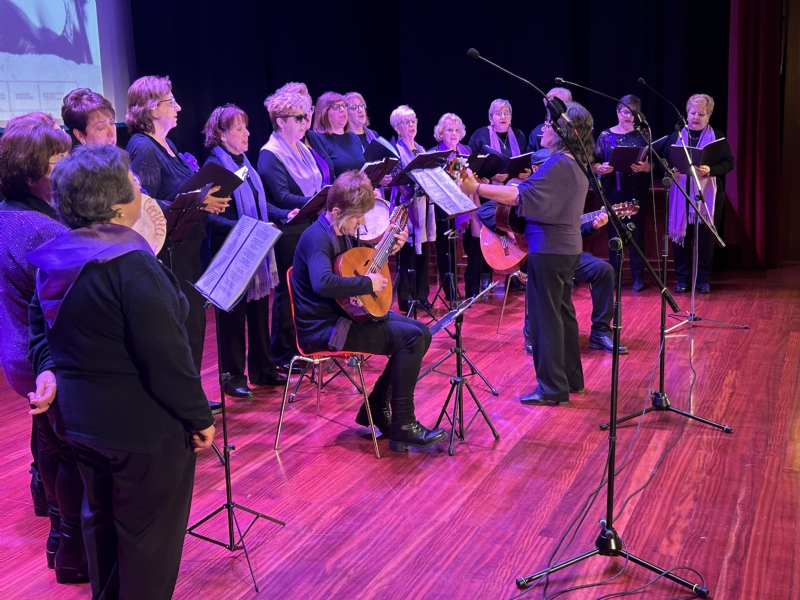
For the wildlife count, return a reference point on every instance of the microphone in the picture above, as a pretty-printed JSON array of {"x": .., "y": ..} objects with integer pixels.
[
  {"x": 681, "y": 121},
  {"x": 637, "y": 115},
  {"x": 472, "y": 53}
]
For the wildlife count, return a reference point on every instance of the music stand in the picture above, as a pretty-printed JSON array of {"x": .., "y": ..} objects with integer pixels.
[
  {"x": 235, "y": 264},
  {"x": 183, "y": 213},
  {"x": 459, "y": 381}
]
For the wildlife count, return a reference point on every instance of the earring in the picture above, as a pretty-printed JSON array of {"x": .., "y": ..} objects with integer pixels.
[{"x": 120, "y": 215}]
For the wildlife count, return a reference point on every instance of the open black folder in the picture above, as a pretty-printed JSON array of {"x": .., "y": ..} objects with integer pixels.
[
  {"x": 428, "y": 160},
  {"x": 216, "y": 175},
  {"x": 622, "y": 157},
  {"x": 378, "y": 149},
  {"x": 710, "y": 154},
  {"x": 491, "y": 163},
  {"x": 314, "y": 205}
]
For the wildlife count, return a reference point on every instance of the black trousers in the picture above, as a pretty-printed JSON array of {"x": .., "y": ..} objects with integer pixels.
[
  {"x": 134, "y": 518},
  {"x": 639, "y": 221},
  {"x": 284, "y": 338},
  {"x": 684, "y": 255},
  {"x": 444, "y": 257},
  {"x": 554, "y": 328},
  {"x": 600, "y": 275},
  {"x": 408, "y": 259},
  {"x": 405, "y": 341},
  {"x": 244, "y": 336},
  {"x": 185, "y": 264},
  {"x": 476, "y": 265}
]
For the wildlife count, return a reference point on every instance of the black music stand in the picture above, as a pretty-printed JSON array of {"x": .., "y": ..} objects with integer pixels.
[
  {"x": 233, "y": 542},
  {"x": 459, "y": 381}
]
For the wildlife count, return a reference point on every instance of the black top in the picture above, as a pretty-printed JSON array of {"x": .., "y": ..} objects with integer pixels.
[
  {"x": 618, "y": 186},
  {"x": 343, "y": 151},
  {"x": 27, "y": 201},
  {"x": 533, "y": 138},
  {"x": 719, "y": 170},
  {"x": 481, "y": 138},
  {"x": 281, "y": 189},
  {"x": 161, "y": 174},
  {"x": 362, "y": 137},
  {"x": 126, "y": 379},
  {"x": 315, "y": 287}
]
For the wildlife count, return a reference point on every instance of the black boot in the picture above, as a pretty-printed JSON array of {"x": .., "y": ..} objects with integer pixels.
[
  {"x": 53, "y": 538},
  {"x": 381, "y": 417},
  {"x": 70, "y": 564},
  {"x": 413, "y": 434},
  {"x": 37, "y": 494}
]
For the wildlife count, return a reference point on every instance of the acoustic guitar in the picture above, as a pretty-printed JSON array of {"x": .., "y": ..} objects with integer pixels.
[
  {"x": 506, "y": 250},
  {"x": 363, "y": 261}
]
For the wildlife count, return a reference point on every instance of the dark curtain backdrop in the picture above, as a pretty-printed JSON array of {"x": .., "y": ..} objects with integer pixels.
[
  {"x": 754, "y": 130},
  {"x": 414, "y": 53}
]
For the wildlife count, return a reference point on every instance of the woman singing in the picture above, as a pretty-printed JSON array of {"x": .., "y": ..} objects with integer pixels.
[
  {"x": 108, "y": 320},
  {"x": 291, "y": 176},
  {"x": 331, "y": 136},
  {"x": 152, "y": 114},
  {"x": 358, "y": 119},
  {"x": 628, "y": 186},
  {"x": 552, "y": 200},
  {"x": 244, "y": 332}
]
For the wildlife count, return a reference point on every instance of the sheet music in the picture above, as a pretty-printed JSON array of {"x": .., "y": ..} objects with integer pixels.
[
  {"x": 443, "y": 191},
  {"x": 228, "y": 276}
]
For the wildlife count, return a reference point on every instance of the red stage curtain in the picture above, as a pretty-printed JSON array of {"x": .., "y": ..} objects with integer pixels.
[{"x": 754, "y": 129}]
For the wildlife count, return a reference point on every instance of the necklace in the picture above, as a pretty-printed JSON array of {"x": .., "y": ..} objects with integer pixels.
[{"x": 499, "y": 139}]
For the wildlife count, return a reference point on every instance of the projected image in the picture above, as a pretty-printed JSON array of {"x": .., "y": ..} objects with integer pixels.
[{"x": 47, "y": 48}]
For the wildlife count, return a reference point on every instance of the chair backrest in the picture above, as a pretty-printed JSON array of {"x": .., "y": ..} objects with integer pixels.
[{"x": 291, "y": 303}]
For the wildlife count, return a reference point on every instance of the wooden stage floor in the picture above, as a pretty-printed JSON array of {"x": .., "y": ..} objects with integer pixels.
[{"x": 427, "y": 525}]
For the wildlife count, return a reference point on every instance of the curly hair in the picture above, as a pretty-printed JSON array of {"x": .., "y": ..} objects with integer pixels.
[
  {"x": 443, "y": 120},
  {"x": 220, "y": 121},
  {"x": 89, "y": 182},
  {"x": 704, "y": 99},
  {"x": 280, "y": 104},
  {"x": 143, "y": 98}
]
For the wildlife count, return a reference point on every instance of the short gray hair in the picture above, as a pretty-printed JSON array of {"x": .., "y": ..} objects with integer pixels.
[
  {"x": 438, "y": 131},
  {"x": 497, "y": 105},
  {"x": 400, "y": 114},
  {"x": 560, "y": 92},
  {"x": 88, "y": 182}
]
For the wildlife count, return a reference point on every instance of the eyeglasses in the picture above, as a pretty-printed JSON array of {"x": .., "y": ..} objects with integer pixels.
[
  {"x": 297, "y": 118},
  {"x": 625, "y": 112},
  {"x": 408, "y": 122},
  {"x": 502, "y": 113},
  {"x": 338, "y": 107},
  {"x": 694, "y": 113},
  {"x": 547, "y": 125},
  {"x": 355, "y": 107},
  {"x": 170, "y": 100}
]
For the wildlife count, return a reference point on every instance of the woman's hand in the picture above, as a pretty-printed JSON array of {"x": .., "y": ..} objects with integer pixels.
[
  {"x": 525, "y": 174},
  {"x": 202, "y": 440},
  {"x": 469, "y": 185},
  {"x": 600, "y": 220},
  {"x": 387, "y": 179},
  {"x": 602, "y": 168},
  {"x": 500, "y": 177},
  {"x": 642, "y": 166},
  {"x": 45, "y": 393},
  {"x": 379, "y": 282},
  {"x": 214, "y": 204},
  {"x": 400, "y": 239},
  {"x": 703, "y": 170},
  {"x": 292, "y": 213}
]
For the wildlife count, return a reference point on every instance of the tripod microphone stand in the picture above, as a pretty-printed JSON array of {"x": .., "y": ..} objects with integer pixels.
[
  {"x": 608, "y": 543},
  {"x": 459, "y": 382}
]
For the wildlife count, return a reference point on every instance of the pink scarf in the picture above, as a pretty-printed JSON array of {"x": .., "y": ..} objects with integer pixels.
[
  {"x": 494, "y": 141},
  {"x": 421, "y": 220},
  {"x": 677, "y": 203}
]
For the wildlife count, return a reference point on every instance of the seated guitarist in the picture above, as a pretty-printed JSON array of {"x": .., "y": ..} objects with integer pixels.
[
  {"x": 322, "y": 324},
  {"x": 590, "y": 269}
]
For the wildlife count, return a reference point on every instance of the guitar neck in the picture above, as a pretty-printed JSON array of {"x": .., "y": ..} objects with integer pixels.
[
  {"x": 397, "y": 223},
  {"x": 588, "y": 217}
]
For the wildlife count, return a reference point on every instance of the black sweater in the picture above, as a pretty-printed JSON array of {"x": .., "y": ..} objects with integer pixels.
[
  {"x": 343, "y": 151},
  {"x": 719, "y": 170},
  {"x": 315, "y": 287},
  {"x": 126, "y": 379},
  {"x": 282, "y": 190},
  {"x": 481, "y": 138}
]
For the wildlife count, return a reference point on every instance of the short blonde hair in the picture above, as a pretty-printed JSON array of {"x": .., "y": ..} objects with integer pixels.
[
  {"x": 399, "y": 114},
  {"x": 443, "y": 121},
  {"x": 293, "y": 87},
  {"x": 352, "y": 194},
  {"x": 281, "y": 104},
  {"x": 356, "y": 96},
  {"x": 321, "y": 122},
  {"x": 143, "y": 98},
  {"x": 497, "y": 105},
  {"x": 703, "y": 99}
]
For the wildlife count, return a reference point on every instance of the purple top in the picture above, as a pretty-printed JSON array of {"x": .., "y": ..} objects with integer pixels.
[{"x": 25, "y": 223}]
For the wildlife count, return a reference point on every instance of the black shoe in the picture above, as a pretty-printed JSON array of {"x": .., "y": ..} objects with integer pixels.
[
  {"x": 638, "y": 284},
  {"x": 536, "y": 400},
  {"x": 581, "y": 390},
  {"x": 40, "y": 508},
  {"x": 681, "y": 288},
  {"x": 382, "y": 418},
  {"x": 276, "y": 379},
  {"x": 400, "y": 438},
  {"x": 216, "y": 407},
  {"x": 68, "y": 576},
  {"x": 238, "y": 391},
  {"x": 703, "y": 288},
  {"x": 296, "y": 370},
  {"x": 516, "y": 285},
  {"x": 605, "y": 343}
]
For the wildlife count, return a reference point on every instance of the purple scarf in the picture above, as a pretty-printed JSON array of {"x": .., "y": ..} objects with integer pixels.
[
  {"x": 302, "y": 167},
  {"x": 494, "y": 141},
  {"x": 61, "y": 260},
  {"x": 470, "y": 220},
  {"x": 420, "y": 213},
  {"x": 678, "y": 204},
  {"x": 266, "y": 277}
]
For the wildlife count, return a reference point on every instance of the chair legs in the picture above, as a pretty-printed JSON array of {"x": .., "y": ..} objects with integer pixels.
[{"x": 314, "y": 363}]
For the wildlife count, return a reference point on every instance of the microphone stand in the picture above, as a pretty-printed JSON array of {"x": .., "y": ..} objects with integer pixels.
[
  {"x": 659, "y": 399},
  {"x": 608, "y": 543}
]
